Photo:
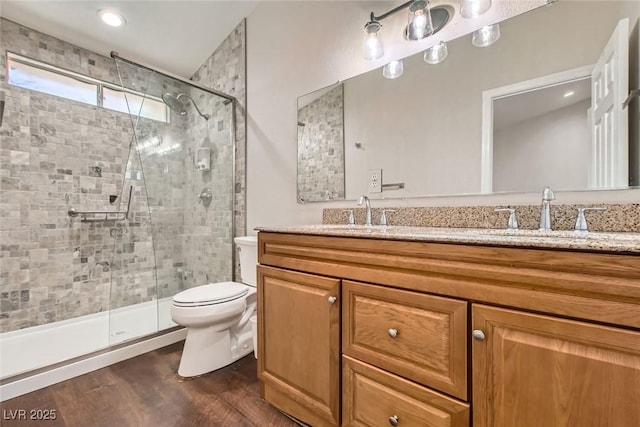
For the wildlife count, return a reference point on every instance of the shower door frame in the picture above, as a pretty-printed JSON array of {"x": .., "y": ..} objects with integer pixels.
[{"x": 234, "y": 103}]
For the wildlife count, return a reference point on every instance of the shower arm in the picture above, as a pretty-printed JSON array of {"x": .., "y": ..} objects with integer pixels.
[{"x": 205, "y": 116}]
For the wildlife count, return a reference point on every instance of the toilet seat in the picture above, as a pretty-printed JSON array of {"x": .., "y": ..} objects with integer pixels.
[{"x": 210, "y": 294}]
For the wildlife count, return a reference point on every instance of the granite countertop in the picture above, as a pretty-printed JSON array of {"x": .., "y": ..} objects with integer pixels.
[{"x": 579, "y": 240}]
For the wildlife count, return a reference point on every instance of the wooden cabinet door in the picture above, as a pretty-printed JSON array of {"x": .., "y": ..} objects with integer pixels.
[
  {"x": 531, "y": 370},
  {"x": 299, "y": 344}
]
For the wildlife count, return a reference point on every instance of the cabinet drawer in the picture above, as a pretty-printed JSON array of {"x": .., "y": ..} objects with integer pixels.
[
  {"x": 373, "y": 397},
  {"x": 414, "y": 335}
]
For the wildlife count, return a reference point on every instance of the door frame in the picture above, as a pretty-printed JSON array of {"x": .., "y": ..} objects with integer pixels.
[{"x": 488, "y": 96}]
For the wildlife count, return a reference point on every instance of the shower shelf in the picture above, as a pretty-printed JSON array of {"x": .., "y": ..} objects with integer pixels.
[{"x": 91, "y": 216}]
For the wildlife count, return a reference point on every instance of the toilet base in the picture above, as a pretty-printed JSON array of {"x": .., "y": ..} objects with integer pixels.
[{"x": 206, "y": 350}]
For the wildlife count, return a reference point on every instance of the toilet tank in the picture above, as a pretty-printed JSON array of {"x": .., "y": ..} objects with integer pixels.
[{"x": 248, "y": 251}]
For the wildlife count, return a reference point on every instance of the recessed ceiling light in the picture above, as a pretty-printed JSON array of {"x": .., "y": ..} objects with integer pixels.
[
  {"x": 111, "y": 17},
  {"x": 568, "y": 93}
]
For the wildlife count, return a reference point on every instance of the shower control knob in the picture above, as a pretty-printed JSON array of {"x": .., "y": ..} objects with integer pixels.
[{"x": 332, "y": 299}]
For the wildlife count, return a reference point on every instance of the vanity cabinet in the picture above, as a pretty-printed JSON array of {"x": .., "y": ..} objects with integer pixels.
[
  {"x": 299, "y": 344},
  {"x": 443, "y": 334}
]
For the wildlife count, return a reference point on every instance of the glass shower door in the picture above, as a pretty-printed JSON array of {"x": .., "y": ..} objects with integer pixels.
[{"x": 180, "y": 230}]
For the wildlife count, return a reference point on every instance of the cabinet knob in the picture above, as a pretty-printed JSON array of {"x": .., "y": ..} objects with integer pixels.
[
  {"x": 332, "y": 299},
  {"x": 393, "y": 332},
  {"x": 393, "y": 420},
  {"x": 478, "y": 334}
]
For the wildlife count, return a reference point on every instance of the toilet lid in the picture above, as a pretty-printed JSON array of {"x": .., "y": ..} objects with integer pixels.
[{"x": 212, "y": 293}]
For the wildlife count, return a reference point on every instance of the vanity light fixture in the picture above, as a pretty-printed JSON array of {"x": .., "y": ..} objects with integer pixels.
[
  {"x": 111, "y": 17},
  {"x": 436, "y": 54},
  {"x": 393, "y": 69},
  {"x": 474, "y": 8},
  {"x": 422, "y": 22},
  {"x": 486, "y": 36}
]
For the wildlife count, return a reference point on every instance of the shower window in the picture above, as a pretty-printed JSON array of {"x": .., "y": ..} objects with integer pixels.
[
  {"x": 139, "y": 105},
  {"x": 23, "y": 73},
  {"x": 41, "y": 77}
]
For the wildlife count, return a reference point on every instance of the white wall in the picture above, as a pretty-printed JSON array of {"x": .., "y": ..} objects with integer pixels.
[
  {"x": 552, "y": 149},
  {"x": 294, "y": 48}
]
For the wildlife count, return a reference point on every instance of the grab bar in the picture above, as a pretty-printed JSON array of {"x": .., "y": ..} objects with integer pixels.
[{"x": 72, "y": 212}]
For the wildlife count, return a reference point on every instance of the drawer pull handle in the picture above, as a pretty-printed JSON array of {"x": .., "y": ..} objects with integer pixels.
[
  {"x": 393, "y": 420},
  {"x": 393, "y": 332},
  {"x": 332, "y": 299},
  {"x": 478, "y": 334}
]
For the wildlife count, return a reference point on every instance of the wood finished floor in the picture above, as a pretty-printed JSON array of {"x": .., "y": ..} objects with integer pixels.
[{"x": 145, "y": 391}]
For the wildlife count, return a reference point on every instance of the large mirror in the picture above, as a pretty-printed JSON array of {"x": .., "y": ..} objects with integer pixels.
[{"x": 514, "y": 116}]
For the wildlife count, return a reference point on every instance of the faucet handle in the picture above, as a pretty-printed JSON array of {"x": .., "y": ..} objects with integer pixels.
[
  {"x": 581, "y": 221},
  {"x": 383, "y": 216},
  {"x": 351, "y": 220},
  {"x": 512, "y": 224},
  {"x": 547, "y": 194}
]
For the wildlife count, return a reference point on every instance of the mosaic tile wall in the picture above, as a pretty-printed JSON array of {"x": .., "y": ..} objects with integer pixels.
[
  {"x": 321, "y": 148},
  {"x": 226, "y": 71},
  {"x": 57, "y": 153}
]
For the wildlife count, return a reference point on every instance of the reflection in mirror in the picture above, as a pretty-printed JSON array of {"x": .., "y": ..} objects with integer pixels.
[
  {"x": 425, "y": 129},
  {"x": 539, "y": 133},
  {"x": 321, "y": 145}
]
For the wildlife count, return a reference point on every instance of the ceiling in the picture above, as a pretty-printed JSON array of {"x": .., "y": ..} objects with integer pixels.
[
  {"x": 174, "y": 36},
  {"x": 528, "y": 105}
]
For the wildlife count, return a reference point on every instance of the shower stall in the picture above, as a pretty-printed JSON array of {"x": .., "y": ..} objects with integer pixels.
[{"x": 108, "y": 209}]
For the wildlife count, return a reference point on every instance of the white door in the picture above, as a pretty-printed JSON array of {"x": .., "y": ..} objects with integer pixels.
[{"x": 609, "y": 121}]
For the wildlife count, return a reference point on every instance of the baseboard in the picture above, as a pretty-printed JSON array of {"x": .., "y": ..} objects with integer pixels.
[{"x": 47, "y": 377}]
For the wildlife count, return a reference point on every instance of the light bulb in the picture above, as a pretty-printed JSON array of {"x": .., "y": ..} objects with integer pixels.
[
  {"x": 372, "y": 44},
  {"x": 393, "y": 69},
  {"x": 420, "y": 24},
  {"x": 474, "y": 8},
  {"x": 486, "y": 36},
  {"x": 436, "y": 54}
]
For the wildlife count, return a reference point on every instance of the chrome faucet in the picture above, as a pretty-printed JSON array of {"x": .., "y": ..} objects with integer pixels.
[
  {"x": 367, "y": 202},
  {"x": 545, "y": 209}
]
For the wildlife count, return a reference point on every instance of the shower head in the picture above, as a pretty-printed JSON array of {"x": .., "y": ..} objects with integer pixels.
[{"x": 178, "y": 106}]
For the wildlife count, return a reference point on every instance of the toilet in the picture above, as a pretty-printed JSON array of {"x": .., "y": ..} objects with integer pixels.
[{"x": 217, "y": 315}]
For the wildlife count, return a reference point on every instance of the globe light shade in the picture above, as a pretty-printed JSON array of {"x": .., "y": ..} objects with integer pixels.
[
  {"x": 420, "y": 24},
  {"x": 486, "y": 36},
  {"x": 436, "y": 54},
  {"x": 474, "y": 8},
  {"x": 393, "y": 69},
  {"x": 372, "y": 43}
]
